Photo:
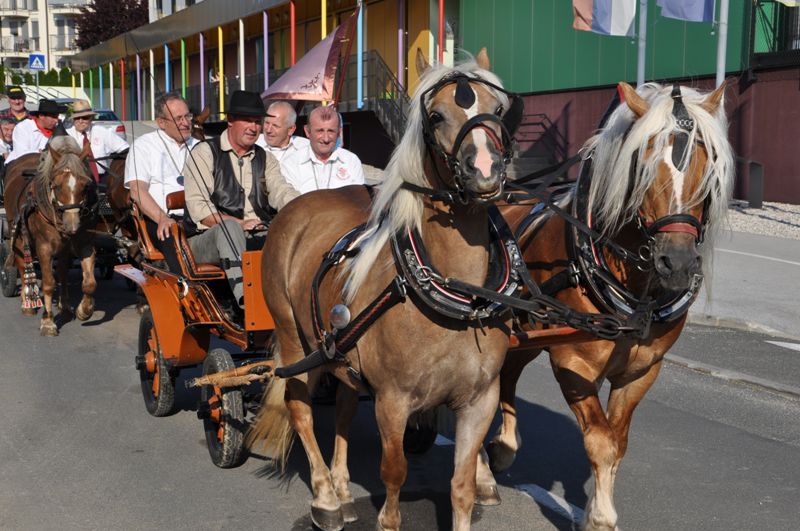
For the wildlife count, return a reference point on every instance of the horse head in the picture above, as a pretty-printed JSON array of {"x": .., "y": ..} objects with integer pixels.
[
  {"x": 468, "y": 120},
  {"x": 64, "y": 174},
  {"x": 674, "y": 163}
]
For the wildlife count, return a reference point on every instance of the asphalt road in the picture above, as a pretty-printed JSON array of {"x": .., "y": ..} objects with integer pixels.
[{"x": 714, "y": 446}]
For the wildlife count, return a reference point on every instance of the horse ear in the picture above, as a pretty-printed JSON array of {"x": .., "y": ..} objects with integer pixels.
[
  {"x": 87, "y": 150},
  {"x": 203, "y": 116},
  {"x": 483, "y": 59},
  {"x": 713, "y": 101},
  {"x": 422, "y": 64},
  {"x": 54, "y": 154},
  {"x": 633, "y": 100}
]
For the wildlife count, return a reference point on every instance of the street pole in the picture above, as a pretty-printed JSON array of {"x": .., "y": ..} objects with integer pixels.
[
  {"x": 640, "y": 62},
  {"x": 722, "y": 42}
]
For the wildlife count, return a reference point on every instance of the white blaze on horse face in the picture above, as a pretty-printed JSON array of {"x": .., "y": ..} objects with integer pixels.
[
  {"x": 483, "y": 153},
  {"x": 72, "y": 183},
  {"x": 677, "y": 178}
]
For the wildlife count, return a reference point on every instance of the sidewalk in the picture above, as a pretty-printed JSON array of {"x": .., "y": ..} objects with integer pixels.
[{"x": 755, "y": 285}]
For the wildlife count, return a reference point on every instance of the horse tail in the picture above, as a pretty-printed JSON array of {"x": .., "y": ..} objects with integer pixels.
[{"x": 271, "y": 431}]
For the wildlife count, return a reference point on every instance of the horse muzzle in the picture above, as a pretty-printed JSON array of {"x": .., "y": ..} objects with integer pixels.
[
  {"x": 482, "y": 175},
  {"x": 676, "y": 260}
]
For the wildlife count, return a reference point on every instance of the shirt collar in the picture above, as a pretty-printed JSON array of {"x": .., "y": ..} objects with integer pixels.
[
  {"x": 171, "y": 141},
  {"x": 310, "y": 156},
  {"x": 225, "y": 144}
]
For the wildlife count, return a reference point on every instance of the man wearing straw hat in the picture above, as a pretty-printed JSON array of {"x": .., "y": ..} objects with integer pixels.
[
  {"x": 32, "y": 135},
  {"x": 103, "y": 142}
]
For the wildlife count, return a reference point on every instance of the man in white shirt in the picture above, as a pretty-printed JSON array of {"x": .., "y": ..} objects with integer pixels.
[
  {"x": 103, "y": 142},
  {"x": 154, "y": 169},
  {"x": 322, "y": 165},
  {"x": 32, "y": 134},
  {"x": 7, "y": 125},
  {"x": 279, "y": 128}
]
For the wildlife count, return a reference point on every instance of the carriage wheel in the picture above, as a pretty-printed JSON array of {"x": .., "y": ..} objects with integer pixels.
[
  {"x": 8, "y": 276},
  {"x": 222, "y": 411},
  {"x": 420, "y": 436},
  {"x": 158, "y": 385}
]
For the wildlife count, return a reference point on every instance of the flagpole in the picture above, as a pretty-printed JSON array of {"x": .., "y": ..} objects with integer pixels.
[
  {"x": 642, "y": 42},
  {"x": 722, "y": 41}
]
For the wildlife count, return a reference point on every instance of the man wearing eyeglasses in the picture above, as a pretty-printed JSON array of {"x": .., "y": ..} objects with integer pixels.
[
  {"x": 154, "y": 169},
  {"x": 102, "y": 141}
]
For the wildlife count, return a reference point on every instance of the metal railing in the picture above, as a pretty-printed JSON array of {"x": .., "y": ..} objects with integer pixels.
[
  {"x": 63, "y": 43},
  {"x": 12, "y": 44},
  {"x": 774, "y": 34},
  {"x": 545, "y": 139},
  {"x": 19, "y": 5}
]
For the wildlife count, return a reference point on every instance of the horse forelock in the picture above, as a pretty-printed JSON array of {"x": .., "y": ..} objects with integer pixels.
[
  {"x": 393, "y": 208},
  {"x": 69, "y": 159}
]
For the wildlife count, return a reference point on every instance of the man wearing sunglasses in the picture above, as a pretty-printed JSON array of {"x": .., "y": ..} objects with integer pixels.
[
  {"x": 154, "y": 169},
  {"x": 102, "y": 141}
]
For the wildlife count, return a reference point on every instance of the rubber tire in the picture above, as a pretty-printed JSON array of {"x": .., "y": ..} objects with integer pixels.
[
  {"x": 229, "y": 452},
  {"x": 163, "y": 404},
  {"x": 8, "y": 277},
  {"x": 417, "y": 440}
]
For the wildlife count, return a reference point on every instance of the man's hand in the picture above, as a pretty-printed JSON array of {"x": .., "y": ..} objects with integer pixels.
[
  {"x": 252, "y": 224},
  {"x": 163, "y": 226}
]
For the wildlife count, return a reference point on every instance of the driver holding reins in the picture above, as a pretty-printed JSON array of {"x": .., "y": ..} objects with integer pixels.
[{"x": 231, "y": 186}]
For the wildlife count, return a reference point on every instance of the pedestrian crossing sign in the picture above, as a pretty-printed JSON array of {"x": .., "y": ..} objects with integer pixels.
[{"x": 36, "y": 61}]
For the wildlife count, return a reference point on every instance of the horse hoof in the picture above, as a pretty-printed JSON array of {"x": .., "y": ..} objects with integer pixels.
[
  {"x": 48, "y": 330},
  {"x": 349, "y": 512},
  {"x": 501, "y": 456},
  {"x": 28, "y": 311},
  {"x": 487, "y": 495},
  {"x": 83, "y": 315},
  {"x": 327, "y": 519}
]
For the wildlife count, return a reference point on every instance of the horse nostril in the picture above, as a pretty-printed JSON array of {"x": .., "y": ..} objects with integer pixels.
[
  {"x": 664, "y": 266},
  {"x": 469, "y": 162}
]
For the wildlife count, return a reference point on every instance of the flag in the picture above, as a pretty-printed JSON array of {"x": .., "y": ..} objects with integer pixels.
[
  {"x": 607, "y": 17},
  {"x": 689, "y": 10}
]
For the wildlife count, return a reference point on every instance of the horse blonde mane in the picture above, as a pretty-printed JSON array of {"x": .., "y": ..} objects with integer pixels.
[
  {"x": 618, "y": 156},
  {"x": 395, "y": 209},
  {"x": 70, "y": 158}
]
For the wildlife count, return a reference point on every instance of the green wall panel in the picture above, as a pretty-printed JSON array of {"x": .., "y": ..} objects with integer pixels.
[{"x": 533, "y": 47}]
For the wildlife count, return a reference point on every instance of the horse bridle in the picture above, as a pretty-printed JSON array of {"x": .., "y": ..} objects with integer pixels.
[
  {"x": 87, "y": 209},
  {"x": 465, "y": 98}
]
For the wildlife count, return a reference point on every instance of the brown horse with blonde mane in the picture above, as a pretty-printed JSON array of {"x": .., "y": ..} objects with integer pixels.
[
  {"x": 414, "y": 357},
  {"x": 654, "y": 187},
  {"x": 50, "y": 216}
]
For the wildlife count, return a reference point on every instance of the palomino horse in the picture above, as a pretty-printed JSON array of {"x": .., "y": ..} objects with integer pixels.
[
  {"x": 417, "y": 355},
  {"x": 50, "y": 214},
  {"x": 656, "y": 182}
]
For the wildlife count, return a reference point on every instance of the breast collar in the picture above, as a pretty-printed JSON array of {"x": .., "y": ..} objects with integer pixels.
[{"x": 414, "y": 265}]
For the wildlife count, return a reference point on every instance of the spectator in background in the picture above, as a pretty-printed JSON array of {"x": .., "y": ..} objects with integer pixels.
[
  {"x": 103, "y": 142},
  {"x": 32, "y": 135},
  {"x": 16, "y": 104},
  {"x": 7, "y": 125},
  {"x": 279, "y": 128}
]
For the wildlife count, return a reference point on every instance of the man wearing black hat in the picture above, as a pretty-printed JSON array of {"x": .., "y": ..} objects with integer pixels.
[
  {"x": 231, "y": 184},
  {"x": 16, "y": 104},
  {"x": 32, "y": 135}
]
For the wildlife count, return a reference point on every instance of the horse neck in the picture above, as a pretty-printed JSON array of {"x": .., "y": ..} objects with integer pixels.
[{"x": 456, "y": 238}]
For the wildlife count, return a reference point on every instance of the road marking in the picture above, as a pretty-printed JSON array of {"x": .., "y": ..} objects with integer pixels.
[
  {"x": 790, "y": 346},
  {"x": 553, "y": 502},
  {"x": 781, "y": 260}
]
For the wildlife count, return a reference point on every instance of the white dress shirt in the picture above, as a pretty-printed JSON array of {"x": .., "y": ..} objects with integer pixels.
[
  {"x": 306, "y": 173},
  {"x": 156, "y": 159},
  {"x": 5, "y": 149},
  {"x": 103, "y": 143},
  {"x": 27, "y": 138}
]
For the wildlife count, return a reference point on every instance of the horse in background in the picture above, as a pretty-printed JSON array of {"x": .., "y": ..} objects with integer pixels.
[
  {"x": 656, "y": 182},
  {"x": 415, "y": 357},
  {"x": 51, "y": 215}
]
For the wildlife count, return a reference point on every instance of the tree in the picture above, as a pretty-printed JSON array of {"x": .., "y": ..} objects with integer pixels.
[{"x": 102, "y": 20}]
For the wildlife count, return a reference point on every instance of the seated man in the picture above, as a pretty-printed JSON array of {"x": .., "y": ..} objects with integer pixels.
[
  {"x": 231, "y": 183},
  {"x": 16, "y": 104},
  {"x": 32, "y": 134},
  {"x": 279, "y": 128},
  {"x": 322, "y": 165},
  {"x": 153, "y": 170},
  {"x": 103, "y": 142}
]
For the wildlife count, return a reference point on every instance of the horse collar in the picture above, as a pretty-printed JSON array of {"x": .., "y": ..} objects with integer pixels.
[{"x": 414, "y": 265}]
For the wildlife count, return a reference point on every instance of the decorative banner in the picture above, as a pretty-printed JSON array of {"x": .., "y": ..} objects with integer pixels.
[
  {"x": 689, "y": 10},
  {"x": 312, "y": 77},
  {"x": 606, "y": 17}
]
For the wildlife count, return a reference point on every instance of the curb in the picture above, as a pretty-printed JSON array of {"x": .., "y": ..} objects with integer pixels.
[{"x": 738, "y": 324}]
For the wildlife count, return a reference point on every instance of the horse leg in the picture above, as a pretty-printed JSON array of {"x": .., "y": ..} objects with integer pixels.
[
  {"x": 346, "y": 406},
  {"x": 485, "y": 485},
  {"x": 48, "y": 326},
  {"x": 64, "y": 309},
  {"x": 326, "y": 511},
  {"x": 86, "y": 308},
  {"x": 503, "y": 447},
  {"x": 392, "y": 415},
  {"x": 472, "y": 423}
]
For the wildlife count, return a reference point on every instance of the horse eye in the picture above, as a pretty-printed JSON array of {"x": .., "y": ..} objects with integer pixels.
[
  {"x": 435, "y": 118},
  {"x": 499, "y": 110}
]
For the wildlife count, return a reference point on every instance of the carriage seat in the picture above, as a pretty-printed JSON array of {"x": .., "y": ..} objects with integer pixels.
[
  {"x": 149, "y": 250},
  {"x": 191, "y": 269}
]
